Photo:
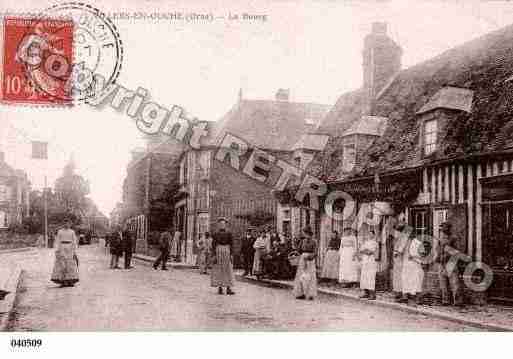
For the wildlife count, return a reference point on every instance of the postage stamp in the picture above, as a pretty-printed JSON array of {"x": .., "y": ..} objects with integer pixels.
[
  {"x": 34, "y": 53},
  {"x": 54, "y": 59}
]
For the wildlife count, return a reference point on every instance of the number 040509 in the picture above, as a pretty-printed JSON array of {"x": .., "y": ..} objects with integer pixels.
[{"x": 26, "y": 343}]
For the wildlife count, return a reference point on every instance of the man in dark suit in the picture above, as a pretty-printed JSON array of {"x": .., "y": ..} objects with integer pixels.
[
  {"x": 128, "y": 246},
  {"x": 248, "y": 252}
]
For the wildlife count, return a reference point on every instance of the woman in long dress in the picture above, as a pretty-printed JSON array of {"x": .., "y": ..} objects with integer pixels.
[
  {"x": 367, "y": 254},
  {"x": 222, "y": 269},
  {"x": 348, "y": 264},
  {"x": 262, "y": 247},
  {"x": 203, "y": 254},
  {"x": 65, "y": 269},
  {"x": 330, "y": 268},
  {"x": 305, "y": 284},
  {"x": 413, "y": 273}
]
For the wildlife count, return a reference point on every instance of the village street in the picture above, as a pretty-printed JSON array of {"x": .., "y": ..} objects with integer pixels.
[{"x": 181, "y": 299}]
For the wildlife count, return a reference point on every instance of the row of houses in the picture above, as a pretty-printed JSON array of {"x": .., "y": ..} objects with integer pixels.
[{"x": 428, "y": 144}]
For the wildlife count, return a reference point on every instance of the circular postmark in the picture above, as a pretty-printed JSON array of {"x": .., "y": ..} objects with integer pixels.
[{"x": 72, "y": 52}]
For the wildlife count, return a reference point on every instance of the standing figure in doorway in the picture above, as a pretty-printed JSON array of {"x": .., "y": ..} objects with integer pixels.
[
  {"x": 330, "y": 268},
  {"x": 449, "y": 277},
  {"x": 367, "y": 254},
  {"x": 348, "y": 262},
  {"x": 305, "y": 283},
  {"x": 65, "y": 269},
  {"x": 222, "y": 269}
]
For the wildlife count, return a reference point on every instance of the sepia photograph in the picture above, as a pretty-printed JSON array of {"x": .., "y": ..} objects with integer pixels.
[{"x": 269, "y": 166}]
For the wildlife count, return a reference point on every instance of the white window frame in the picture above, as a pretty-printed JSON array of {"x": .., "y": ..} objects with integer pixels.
[{"x": 349, "y": 163}]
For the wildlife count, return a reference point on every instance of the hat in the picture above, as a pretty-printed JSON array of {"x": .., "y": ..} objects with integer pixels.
[{"x": 221, "y": 219}]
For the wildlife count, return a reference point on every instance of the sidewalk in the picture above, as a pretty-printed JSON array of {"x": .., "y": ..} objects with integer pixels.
[
  {"x": 491, "y": 316},
  {"x": 9, "y": 281}
]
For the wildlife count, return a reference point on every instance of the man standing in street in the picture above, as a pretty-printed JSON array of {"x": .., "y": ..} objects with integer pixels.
[
  {"x": 164, "y": 244},
  {"x": 448, "y": 272},
  {"x": 248, "y": 252},
  {"x": 128, "y": 246}
]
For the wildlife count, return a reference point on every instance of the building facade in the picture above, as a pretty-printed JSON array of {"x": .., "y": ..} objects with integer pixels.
[{"x": 14, "y": 195}]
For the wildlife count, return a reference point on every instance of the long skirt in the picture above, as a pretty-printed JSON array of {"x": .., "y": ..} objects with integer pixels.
[
  {"x": 330, "y": 268},
  {"x": 201, "y": 261},
  {"x": 65, "y": 269},
  {"x": 306, "y": 278},
  {"x": 368, "y": 274},
  {"x": 348, "y": 266},
  {"x": 258, "y": 265},
  {"x": 412, "y": 277},
  {"x": 222, "y": 270}
]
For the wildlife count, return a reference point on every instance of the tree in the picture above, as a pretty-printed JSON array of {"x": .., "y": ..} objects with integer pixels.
[{"x": 71, "y": 191}]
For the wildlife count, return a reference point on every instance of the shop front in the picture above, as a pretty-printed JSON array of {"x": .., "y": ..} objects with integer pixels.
[{"x": 497, "y": 232}]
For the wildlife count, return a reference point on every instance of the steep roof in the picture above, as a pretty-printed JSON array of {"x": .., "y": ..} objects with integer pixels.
[
  {"x": 349, "y": 107},
  {"x": 275, "y": 125},
  {"x": 484, "y": 66}
]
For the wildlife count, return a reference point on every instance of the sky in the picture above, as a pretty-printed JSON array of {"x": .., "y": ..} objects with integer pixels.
[{"x": 311, "y": 47}]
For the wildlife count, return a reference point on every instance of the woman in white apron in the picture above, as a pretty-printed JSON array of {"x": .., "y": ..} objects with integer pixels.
[
  {"x": 367, "y": 253},
  {"x": 65, "y": 269},
  {"x": 413, "y": 273},
  {"x": 348, "y": 274}
]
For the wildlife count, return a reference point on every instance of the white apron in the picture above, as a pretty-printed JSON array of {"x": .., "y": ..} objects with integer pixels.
[
  {"x": 369, "y": 266},
  {"x": 412, "y": 274},
  {"x": 348, "y": 266}
]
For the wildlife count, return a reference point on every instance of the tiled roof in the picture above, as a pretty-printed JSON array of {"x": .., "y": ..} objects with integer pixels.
[
  {"x": 452, "y": 98},
  {"x": 276, "y": 125}
]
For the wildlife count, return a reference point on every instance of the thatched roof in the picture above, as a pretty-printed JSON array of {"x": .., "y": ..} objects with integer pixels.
[{"x": 483, "y": 66}]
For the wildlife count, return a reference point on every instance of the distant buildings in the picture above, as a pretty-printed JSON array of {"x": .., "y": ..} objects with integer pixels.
[{"x": 14, "y": 195}]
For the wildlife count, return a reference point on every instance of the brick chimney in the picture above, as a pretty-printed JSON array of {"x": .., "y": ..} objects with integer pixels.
[
  {"x": 282, "y": 95},
  {"x": 381, "y": 61}
]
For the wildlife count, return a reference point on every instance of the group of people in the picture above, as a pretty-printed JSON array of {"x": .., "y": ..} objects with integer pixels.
[
  {"x": 349, "y": 260},
  {"x": 265, "y": 253},
  {"x": 121, "y": 242}
]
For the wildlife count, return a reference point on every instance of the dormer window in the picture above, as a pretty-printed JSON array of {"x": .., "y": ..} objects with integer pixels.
[{"x": 430, "y": 136}]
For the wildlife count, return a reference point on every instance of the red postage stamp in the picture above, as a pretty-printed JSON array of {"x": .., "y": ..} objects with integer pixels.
[{"x": 37, "y": 61}]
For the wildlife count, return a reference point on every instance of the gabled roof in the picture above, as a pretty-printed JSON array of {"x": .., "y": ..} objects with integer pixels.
[
  {"x": 452, "y": 98},
  {"x": 274, "y": 125},
  {"x": 368, "y": 125},
  {"x": 311, "y": 141}
]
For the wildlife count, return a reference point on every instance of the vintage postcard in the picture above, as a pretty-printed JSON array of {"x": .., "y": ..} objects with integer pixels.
[{"x": 292, "y": 166}]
